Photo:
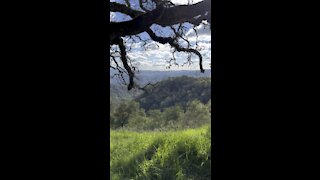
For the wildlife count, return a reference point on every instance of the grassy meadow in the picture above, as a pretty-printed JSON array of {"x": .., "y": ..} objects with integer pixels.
[
  {"x": 163, "y": 133},
  {"x": 169, "y": 155}
]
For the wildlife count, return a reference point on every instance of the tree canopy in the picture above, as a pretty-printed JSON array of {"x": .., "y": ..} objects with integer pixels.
[
  {"x": 175, "y": 103},
  {"x": 175, "y": 91},
  {"x": 145, "y": 13}
]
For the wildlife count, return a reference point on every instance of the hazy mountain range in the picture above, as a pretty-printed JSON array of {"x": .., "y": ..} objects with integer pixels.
[{"x": 144, "y": 77}]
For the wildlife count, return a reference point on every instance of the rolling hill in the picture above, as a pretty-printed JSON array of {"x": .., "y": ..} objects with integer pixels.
[{"x": 119, "y": 92}]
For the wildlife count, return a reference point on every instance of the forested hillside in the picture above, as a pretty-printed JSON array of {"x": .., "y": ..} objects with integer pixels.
[
  {"x": 119, "y": 92},
  {"x": 176, "y": 91},
  {"x": 174, "y": 103}
]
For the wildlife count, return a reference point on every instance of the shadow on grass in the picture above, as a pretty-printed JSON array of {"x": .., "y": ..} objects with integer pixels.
[
  {"x": 183, "y": 161},
  {"x": 131, "y": 169}
]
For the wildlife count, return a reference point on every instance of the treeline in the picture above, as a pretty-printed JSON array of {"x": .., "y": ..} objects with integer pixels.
[
  {"x": 131, "y": 116},
  {"x": 175, "y": 103}
]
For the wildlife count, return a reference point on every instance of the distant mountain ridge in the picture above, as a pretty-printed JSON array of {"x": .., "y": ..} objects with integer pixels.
[{"x": 149, "y": 76}]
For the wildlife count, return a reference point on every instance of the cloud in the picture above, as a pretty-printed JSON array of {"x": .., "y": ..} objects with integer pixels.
[
  {"x": 119, "y": 17},
  {"x": 201, "y": 30},
  {"x": 156, "y": 58},
  {"x": 157, "y": 55}
]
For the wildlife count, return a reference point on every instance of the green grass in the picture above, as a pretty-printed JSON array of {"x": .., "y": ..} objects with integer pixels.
[{"x": 161, "y": 155}]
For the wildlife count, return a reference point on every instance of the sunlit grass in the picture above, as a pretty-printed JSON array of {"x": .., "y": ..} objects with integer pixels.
[{"x": 161, "y": 155}]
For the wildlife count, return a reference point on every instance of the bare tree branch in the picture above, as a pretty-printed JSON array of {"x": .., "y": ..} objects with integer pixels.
[
  {"x": 142, "y": 7},
  {"x": 125, "y": 62},
  {"x": 128, "y": 3},
  {"x": 161, "y": 16},
  {"x": 173, "y": 43},
  {"x": 116, "y": 7}
]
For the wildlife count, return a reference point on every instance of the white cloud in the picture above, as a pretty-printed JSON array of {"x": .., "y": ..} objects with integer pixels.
[{"x": 201, "y": 30}]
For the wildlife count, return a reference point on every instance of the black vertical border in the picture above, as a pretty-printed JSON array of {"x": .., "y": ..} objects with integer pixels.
[
  {"x": 103, "y": 73},
  {"x": 217, "y": 91}
]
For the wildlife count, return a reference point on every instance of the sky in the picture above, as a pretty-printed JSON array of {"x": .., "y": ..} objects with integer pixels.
[{"x": 156, "y": 55}]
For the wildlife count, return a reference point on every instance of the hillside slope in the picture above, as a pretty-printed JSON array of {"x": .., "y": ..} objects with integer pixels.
[{"x": 175, "y": 91}]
